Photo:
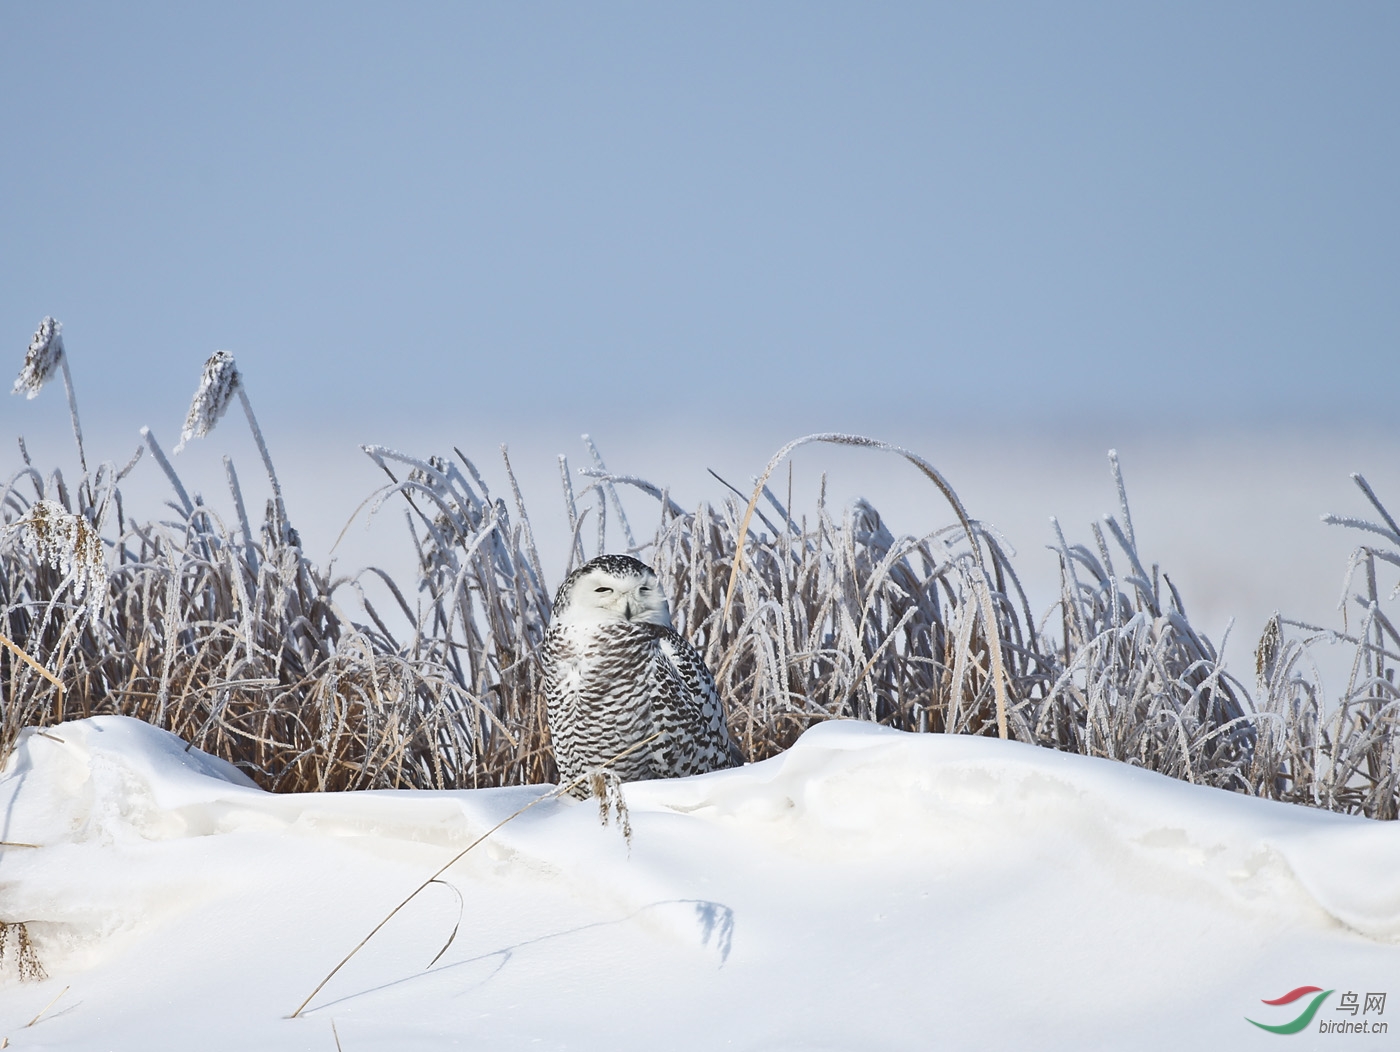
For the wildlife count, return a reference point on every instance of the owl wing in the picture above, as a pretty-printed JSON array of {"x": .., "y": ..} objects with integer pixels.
[{"x": 699, "y": 708}]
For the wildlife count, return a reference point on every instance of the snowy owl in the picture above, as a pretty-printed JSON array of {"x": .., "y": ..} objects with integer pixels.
[{"x": 617, "y": 672}]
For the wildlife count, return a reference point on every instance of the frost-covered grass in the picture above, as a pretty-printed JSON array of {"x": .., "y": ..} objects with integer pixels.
[{"x": 234, "y": 639}]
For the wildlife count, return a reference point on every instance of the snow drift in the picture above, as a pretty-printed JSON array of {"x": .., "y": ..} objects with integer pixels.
[{"x": 867, "y": 889}]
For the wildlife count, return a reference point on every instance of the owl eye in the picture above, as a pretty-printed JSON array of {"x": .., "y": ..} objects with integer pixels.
[{"x": 602, "y": 588}]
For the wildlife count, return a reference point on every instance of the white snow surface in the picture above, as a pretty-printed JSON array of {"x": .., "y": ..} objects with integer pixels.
[{"x": 868, "y": 889}]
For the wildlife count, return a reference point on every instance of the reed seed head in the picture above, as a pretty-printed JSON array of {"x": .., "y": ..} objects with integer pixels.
[
  {"x": 71, "y": 545},
  {"x": 216, "y": 389},
  {"x": 45, "y": 350}
]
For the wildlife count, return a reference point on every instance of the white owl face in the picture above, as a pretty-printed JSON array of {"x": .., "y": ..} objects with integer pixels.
[{"x": 612, "y": 588}]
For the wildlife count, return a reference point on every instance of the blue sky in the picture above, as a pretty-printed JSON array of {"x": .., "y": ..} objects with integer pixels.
[{"x": 829, "y": 216}]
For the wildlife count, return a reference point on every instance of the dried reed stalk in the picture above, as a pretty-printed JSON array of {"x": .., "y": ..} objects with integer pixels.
[{"x": 232, "y": 637}]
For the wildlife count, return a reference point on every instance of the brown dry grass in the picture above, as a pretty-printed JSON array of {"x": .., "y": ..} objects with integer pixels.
[{"x": 236, "y": 641}]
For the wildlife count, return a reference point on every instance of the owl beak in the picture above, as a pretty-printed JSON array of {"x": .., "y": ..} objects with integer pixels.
[{"x": 627, "y": 610}]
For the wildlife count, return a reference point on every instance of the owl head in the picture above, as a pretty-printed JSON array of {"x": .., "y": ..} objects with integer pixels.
[{"x": 612, "y": 588}]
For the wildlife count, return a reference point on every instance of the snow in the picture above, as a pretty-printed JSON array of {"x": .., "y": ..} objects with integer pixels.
[{"x": 868, "y": 889}]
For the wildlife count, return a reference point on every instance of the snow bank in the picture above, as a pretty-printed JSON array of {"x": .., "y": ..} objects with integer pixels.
[{"x": 868, "y": 889}]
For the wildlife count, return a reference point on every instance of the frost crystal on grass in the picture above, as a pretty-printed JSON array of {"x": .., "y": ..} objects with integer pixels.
[
  {"x": 216, "y": 389},
  {"x": 69, "y": 544},
  {"x": 44, "y": 352}
]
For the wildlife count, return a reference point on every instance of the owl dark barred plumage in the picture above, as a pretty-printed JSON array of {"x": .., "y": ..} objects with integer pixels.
[{"x": 617, "y": 672}]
